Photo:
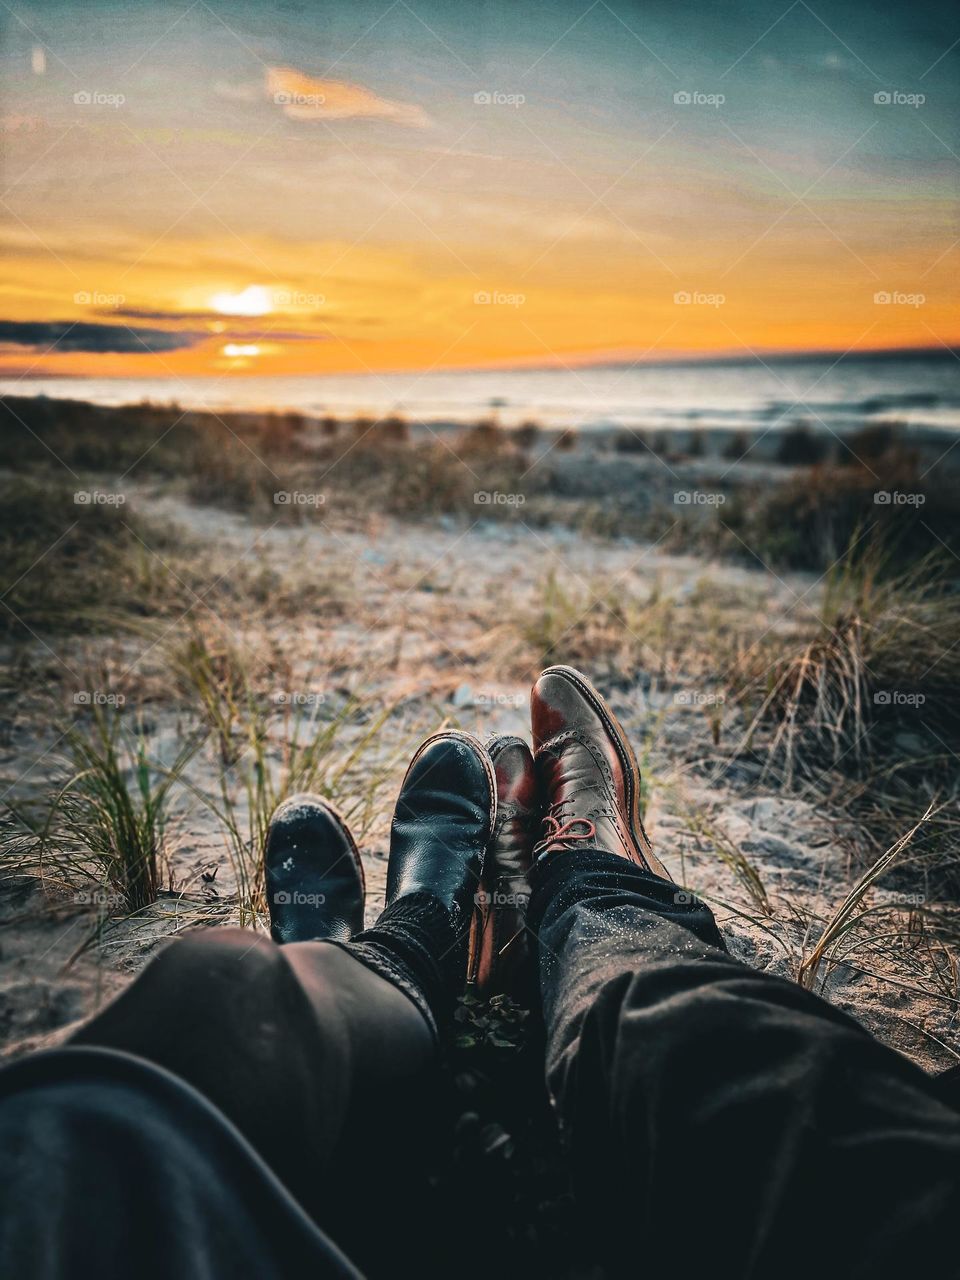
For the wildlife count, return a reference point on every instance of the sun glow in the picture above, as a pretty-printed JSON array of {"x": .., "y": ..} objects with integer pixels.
[
  {"x": 255, "y": 300},
  {"x": 239, "y": 350}
]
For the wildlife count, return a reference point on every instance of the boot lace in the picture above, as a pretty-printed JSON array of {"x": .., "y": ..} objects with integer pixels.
[{"x": 556, "y": 832}]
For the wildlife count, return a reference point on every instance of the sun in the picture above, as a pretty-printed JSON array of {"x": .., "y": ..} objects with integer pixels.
[{"x": 255, "y": 300}]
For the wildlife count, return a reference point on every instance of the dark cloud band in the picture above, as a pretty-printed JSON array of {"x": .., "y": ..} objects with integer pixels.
[{"x": 85, "y": 335}]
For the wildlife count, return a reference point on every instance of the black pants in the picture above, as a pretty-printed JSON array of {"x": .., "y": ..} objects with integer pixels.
[
  {"x": 721, "y": 1121},
  {"x": 718, "y": 1121}
]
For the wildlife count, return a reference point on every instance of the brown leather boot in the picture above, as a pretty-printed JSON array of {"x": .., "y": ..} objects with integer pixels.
[
  {"x": 498, "y": 943},
  {"x": 587, "y": 770}
]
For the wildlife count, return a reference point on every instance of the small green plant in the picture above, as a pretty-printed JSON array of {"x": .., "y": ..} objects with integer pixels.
[
  {"x": 610, "y": 628},
  {"x": 108, "y": 820},
  {"x": 497, "y": 1023}
]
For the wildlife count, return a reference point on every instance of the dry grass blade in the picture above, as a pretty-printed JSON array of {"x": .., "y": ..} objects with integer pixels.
[
  {"x": 733, "y": 857},
  {"x": 846, "y": 914},
  {"x": 217, "y": 677}
]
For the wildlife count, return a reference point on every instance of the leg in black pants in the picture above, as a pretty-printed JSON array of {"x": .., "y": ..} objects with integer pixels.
[
  {"x": 242, "y": 1093},
  {"x": 720, "y": 1120},
  {"x": 322, "y": 1054},
  {"x": 235, "y": 1098},
  {"x": 303, "y": 1047}
]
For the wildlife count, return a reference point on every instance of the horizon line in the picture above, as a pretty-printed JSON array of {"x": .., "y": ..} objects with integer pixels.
[{"x": 681, "y": 360}]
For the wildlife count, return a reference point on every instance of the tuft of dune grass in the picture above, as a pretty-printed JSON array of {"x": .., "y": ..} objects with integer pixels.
[
  {"x": 105, "y": 827},
  {"x": 883, "y": 660},
  {"x": 77, "y": 566},
  {"x": 824, "y": 514}
]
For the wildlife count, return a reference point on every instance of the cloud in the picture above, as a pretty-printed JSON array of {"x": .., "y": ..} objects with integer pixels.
[
  {"x": 148, "y": 313},
  {"x": 85, "y": 335},
  {"x": 305, "y": 97},
  {"x": 240, "y": 327}
]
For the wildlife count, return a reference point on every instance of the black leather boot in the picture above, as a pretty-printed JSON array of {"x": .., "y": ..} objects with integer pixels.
[
  {"x": 313, "y": 872},
  {"x": 445, "y": 814}
]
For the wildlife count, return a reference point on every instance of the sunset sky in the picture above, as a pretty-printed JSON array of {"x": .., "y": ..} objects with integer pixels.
[{"x": 279, "y": 187}]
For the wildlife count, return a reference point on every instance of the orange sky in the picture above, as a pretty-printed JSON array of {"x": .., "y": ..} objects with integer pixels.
[{"x": 384, "y": 219}]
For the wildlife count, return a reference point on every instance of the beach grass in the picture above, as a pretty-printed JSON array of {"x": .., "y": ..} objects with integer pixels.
[{"x": 104, "y": 833}]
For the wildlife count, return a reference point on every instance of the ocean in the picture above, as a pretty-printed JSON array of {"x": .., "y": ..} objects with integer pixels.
[{"x": 921, "y": 390}]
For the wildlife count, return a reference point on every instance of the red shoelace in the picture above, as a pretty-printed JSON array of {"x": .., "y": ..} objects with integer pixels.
[{"x": 555, "y": 831}]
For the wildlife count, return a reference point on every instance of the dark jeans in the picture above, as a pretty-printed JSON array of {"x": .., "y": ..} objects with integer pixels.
[
  {"x": 721, "y": 1121},
  {"x": 718, "y": 1121}
]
